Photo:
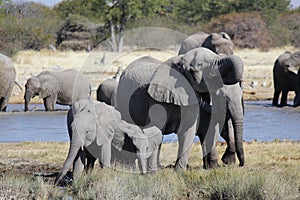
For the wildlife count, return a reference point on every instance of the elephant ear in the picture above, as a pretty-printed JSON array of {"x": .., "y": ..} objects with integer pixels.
[
  {"x": 294, "y": 60},
  {"x": 85, "y": 126},
  {"x": 168, "y": 85},
  {"x": 49, "y": 85},
  {"x": 107, "y": 120}
]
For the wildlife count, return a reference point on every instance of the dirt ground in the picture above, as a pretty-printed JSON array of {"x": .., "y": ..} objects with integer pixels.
[{"x": 257, "y": 84}]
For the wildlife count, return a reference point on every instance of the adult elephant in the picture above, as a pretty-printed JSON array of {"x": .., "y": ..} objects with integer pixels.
[
  {"x": 7, "y": 80},
  {"x": 166, "y": 95},
  {"x": 65, "y": 88},
  {"x": 285, "y": 80},
  {"x": 220, "y": 43},
  {"x": 93, "y": 127},
  {"x": 106, "y": 90}
]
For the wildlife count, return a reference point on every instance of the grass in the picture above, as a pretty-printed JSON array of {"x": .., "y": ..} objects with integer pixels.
[{"x": 272, "y": 171}]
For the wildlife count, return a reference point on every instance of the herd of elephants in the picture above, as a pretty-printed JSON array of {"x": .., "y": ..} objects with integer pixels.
[{"x": 199, "y": 91}]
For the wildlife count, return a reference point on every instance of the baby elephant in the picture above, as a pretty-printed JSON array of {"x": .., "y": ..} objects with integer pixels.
[
  {"x": 92, "y": 127},
  {"x": 124, "y": 150}
]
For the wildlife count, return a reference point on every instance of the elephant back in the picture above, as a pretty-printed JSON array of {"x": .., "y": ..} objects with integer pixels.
[
  {"x": 132, "y": 89},
  {"x": 141, "y": 70},
  {"x": 73, "y": 86}
]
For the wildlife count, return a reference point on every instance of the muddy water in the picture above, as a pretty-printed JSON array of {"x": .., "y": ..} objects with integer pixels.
[{"x": 263, "y": 122}]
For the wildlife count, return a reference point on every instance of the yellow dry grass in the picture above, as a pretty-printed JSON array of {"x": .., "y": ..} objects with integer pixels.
[{"x": 258, "y": 80}]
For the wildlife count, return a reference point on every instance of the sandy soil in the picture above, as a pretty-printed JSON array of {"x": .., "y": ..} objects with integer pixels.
[{"x": 258, "y": 79}]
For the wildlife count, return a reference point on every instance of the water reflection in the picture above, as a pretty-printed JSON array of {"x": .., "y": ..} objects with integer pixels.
[{"x": 263, "y": 122}]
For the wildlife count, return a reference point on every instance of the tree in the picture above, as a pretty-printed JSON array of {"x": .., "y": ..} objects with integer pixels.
[{"x": 118, "y": 14}]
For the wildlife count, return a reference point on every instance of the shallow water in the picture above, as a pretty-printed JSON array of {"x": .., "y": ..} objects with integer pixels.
[{"x": 262, "y": 122}]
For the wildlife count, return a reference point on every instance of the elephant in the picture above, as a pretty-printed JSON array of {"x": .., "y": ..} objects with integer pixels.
[
  {"x": 65, "y": 88},
  {"x": 94, "y": 127},
  {"x": 126, "y": 154},
  {"x": 286, "y": 80},
  {"x": 7, "y": 80},
  {"x": 166, "y": 94},
  {"x": 220, "y": 43},
  {"x": 106, "y": 90}
]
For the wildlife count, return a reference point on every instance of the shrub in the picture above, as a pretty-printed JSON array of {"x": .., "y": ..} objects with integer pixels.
[
  {"x": 247, "y": 30},
  {"x": 291, "y": 23},
  {"x": 27, "y": 26}
]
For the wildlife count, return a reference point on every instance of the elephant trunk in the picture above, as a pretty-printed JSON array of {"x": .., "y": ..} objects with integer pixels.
[
  {"x": 27, "y": 98},
  {"x": 142, "y": 160},
  {"x": 75, "y": 145},
  {"x": 238, "y": 139},
  {"x": 231, "y": 69}
]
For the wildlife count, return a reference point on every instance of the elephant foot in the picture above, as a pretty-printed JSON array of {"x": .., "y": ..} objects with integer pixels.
[
  {"x": 210, "y": 164},
  {"x": 228, "y": 158},
  {"x": 180, "y": 165}
]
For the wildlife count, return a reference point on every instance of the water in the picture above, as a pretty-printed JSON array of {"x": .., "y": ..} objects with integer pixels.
[{"x": 262, "y": 122}]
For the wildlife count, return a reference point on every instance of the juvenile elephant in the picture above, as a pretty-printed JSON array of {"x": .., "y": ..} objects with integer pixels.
[
  {"x": 65, "y": 88},
  {"x": 106, "y": 90},
  {"x": 286, "y": 80},
  {"x": 220, "y": 43},
  {"x": 126, "y": 154},
  {"x": 166, "y": 95},
  {"x": 92, "y": 127},
  {"x": 7, "y": 80}
]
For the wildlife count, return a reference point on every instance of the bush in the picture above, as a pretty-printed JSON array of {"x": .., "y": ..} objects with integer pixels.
[
  {"x": 27, "y": 26},
  {"x": 247, "y": 30},
  {"x": 78, "y": 32},
  {"x": 291, "y": 23}
]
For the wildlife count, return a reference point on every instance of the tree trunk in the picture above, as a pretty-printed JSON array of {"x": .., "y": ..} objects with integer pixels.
[{"x": 113, "y": 36}]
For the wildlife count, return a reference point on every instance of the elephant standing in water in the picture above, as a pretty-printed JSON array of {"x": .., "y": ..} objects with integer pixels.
[
  {"x": 7, "y": 80},
  {"x": 286, "y": 80},
  {"x": 94, "y": 127},
  {"x": 220, "y": 43},
  {"x": 65, "y": 88},
  {"x": 166, "y": 95},
  {"x": 106, "y": 90}
]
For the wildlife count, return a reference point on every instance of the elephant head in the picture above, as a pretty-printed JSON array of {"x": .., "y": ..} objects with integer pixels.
[
  {"x": 197, "y": 68},
  {"x": 289, "y": 60},
  {"x": 42, "y": 85},
  {"x": 33, "y": 87},
  {"x": 219, "y": 43}
]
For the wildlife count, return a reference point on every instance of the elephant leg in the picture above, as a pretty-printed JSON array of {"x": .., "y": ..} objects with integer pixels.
[
  {"x": 152, "y": 162},
  {"x": 185, "y": 141},
  {"x": 79, "y": 163},
  {"x": 283, "y": 101},
  {"x": 105, "y": 154},
  {"x": 90, "y": 161},
  {"x": 49, "y": 102},
  {"x": 209, "y": 151},
  {"x": 210, "y": 157},
  {"x": 3, "y": 103},
  {"x": 228, "y": 157},
  {"x": 157, "y": 157},
  {"x": 276, "y": 97}
]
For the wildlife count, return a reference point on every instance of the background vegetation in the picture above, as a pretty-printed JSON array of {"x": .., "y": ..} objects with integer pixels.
[{"x": 251, "y": 24}]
